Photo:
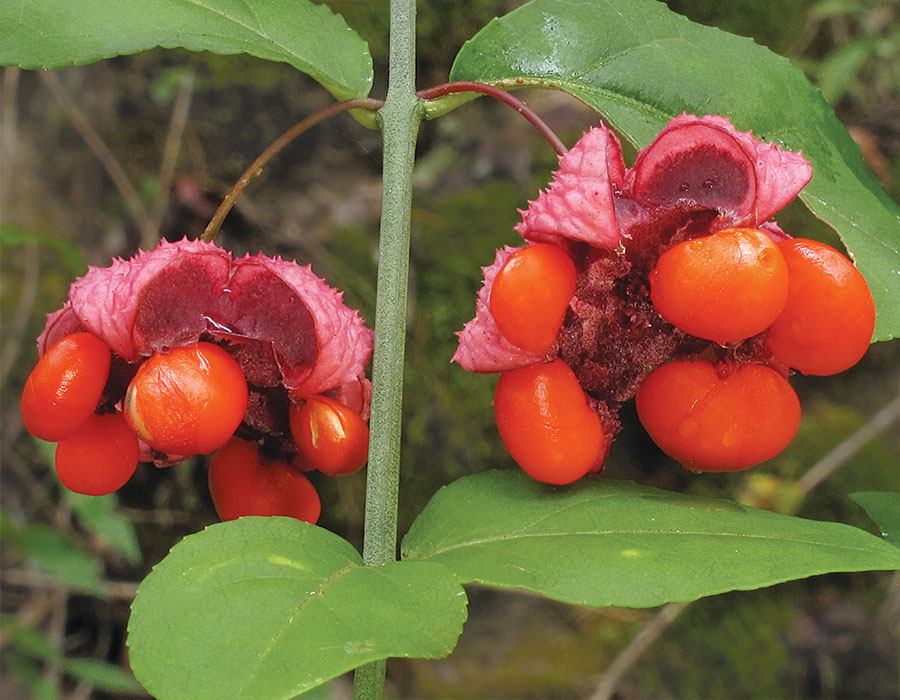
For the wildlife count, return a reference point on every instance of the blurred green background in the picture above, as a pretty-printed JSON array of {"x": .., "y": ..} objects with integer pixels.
[{"x": 99, "y": 160}]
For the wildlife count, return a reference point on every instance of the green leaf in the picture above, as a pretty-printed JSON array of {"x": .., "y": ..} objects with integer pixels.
[
  {"x": 603, "y": 542},
  {"x": 309, "y": 37},
  {"x": 61, "y": 558},
  {"x": 838, "y": 72},
  {"x": 100, "y": 674},
  {"x": 28, "y": 672},
  {"x": 31, "y": 641},
  {"x": 326, "y": 691},
  {"x": 883, "y": 507},
  {"x": 103, "y": 676},
  {"x": 640, "y": 64},
  {"x": 99, "y": 514},
  {"x": 7, "y": 528},
  {"x": 271, "y": 607},
  {"x": 70, "y": 254}
]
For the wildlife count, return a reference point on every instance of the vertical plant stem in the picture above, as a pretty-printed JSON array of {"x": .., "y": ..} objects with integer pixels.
[{"x": 400, "y": 118}]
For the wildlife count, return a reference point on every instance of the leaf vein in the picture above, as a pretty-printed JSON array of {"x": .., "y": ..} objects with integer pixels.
[
  {"x": 617, "y": 533},
  {"x": 279, "y": 633},
  {"x": 258, "y": 30}
]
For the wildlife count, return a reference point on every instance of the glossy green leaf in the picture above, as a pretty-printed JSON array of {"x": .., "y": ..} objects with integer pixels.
[
  {"x": 270, "y": 607},
  {"x": 640, "y": 64},
  {"x": 883, "y": 507},
  {"x": 603, "y": 542},
  {"x": 310, "y": 37}
]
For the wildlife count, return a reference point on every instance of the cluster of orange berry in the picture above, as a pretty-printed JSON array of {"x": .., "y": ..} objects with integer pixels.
[
  {"x": 666, "y": 282},
  {"x": 634, "y": 287},
  {"x": 223, "y": 385},
  {"x": 813, "y": 309},
  {"x": 811, "y": 303}
]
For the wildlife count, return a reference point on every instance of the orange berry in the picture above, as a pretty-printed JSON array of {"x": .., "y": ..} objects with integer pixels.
[
  {"x": 724, "y": 287},
  {"x": 331, "y": 436},
  {"x": 188, "y": 401},
  {"x": 530, "y": 295},
  {"x": 241, "y": 484},
  {"x": 100, "y": 457},
  {"x": 827, "y": 323},
  {"x": 718, "y": 419},
  {"x": 65, "y": 386},
  {"x": 547, "y": 425}
]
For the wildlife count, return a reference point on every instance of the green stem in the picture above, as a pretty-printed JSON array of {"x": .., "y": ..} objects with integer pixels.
[{"x": 400, "y": 119}]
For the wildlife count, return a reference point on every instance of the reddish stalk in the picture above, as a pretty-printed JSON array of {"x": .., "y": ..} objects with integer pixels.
[
  {"x": 373, "y": 105},
  {"x": 503, "y": 96},
  {"x": 274, "y": 148}
]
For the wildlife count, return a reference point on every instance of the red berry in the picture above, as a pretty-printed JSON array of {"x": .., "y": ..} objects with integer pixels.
[
  {"x": 724, "y": 287},
  {"x": 718, "y": 419},
  {"x": 188, "y": 401},
  {"x": 530, "y": 295},
  {"x": 331, "y": 436},
  {"x": 827, "y": 323},
  {"x": 241, "y": 484},
  {"x": 547, "y": 425},
  {"x": 100, "y": 457},
  {"x": 65, "y": 386}
]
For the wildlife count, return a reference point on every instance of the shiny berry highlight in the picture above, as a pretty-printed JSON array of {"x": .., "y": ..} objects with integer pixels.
[
  {"x": 827, "y": 323},
  {"x": 724, "y": 287},
  {"x": 242, "y": 484},
  {"x": 547, "y": 425},
  {"x": 530, "y": 295},
  {"x": 65, "y": 386},
  {"x": 331, "y": 436},
  {"x": 718, "y": 418},
  {"x": 188, "y": 401},
  {"x": 100, "y": 457}
]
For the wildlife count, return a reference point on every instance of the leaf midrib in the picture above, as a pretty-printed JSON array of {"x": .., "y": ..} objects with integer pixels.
[
  {"x": 635, "y": 531},
  {"x": 253, "y": 672},
  {"x": 254, "y": 40}
]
